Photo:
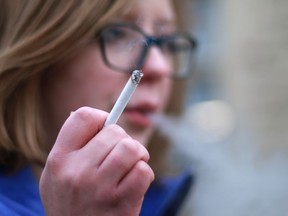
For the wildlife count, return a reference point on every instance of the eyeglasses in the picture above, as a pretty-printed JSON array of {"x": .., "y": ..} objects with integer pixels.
[{"x": 124, "y": 47}]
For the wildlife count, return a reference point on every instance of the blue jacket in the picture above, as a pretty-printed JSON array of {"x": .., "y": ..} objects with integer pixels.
[
  {"x": 166, "y": 196},
  {"x": 19, "y": 195}
]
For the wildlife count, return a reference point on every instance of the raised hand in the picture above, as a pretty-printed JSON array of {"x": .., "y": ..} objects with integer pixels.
[{"x": 93, "y": 170}]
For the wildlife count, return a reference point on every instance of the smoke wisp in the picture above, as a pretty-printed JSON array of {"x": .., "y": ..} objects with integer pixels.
[{"x": 231, "y": 180}]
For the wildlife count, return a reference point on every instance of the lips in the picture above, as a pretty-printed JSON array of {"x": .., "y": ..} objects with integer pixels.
[{"x": 139, "y": 114}]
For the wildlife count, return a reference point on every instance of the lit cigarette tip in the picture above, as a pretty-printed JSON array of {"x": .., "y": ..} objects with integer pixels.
[{"x": 136, "y": 76}]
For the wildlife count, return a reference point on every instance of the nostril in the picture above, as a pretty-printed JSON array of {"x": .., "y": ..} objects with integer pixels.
[{"x": 156, "y": 64}]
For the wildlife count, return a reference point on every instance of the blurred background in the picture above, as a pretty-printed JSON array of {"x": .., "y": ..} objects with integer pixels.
[{"x": 237, "y": 109}]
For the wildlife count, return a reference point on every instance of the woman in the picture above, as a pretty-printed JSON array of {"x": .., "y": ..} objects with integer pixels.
[{"x": 62, "y": 63}]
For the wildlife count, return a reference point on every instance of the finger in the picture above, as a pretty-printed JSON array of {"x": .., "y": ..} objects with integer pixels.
[
  {"x": 135, "y": 184},
  {"x": 121, "y": 160},
  {"x": 99, "y": 147},
  {"x": 79, "y": 128}
]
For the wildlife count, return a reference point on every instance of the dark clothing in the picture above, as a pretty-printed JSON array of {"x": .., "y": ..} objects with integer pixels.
[
  {"x": 166, "y": 196},
  {"x": 19, "y": 195}
]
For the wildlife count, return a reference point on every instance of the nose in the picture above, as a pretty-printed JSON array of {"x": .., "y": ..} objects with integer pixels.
[{"x": 156, "y": 66}]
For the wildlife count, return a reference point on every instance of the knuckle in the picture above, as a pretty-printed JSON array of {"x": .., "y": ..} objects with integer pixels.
[
  {"x": 143, "y": 169},
  {"x": 53, "y": 163},
  {"x": 129, "y": 146},
  {"x": 115, "y": 196},
  {"x": 116, "y": 130},
  {"x": 145, "y": 154},
  {"x": 58, "y": 170},
  {"x": 83, "y": 113},
  {"x": 118, "y": 161},
  {"x": 110, "y": 195},
  {"x": 70, "y": 179}
]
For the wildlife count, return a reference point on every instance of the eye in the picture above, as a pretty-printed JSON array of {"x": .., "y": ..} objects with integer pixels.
[
  {"x": 114, "y": 34},
  {"x": 177, "y": 44}
]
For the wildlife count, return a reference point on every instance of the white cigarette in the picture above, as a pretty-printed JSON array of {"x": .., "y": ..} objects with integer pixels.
[{"x": 124, "y": 97}]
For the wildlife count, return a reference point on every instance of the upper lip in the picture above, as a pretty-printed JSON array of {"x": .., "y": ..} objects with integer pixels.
[{"x": 143, "y": 107}]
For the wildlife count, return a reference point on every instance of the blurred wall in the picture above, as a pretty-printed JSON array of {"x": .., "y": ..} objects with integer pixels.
[
  {"x": 255, "y": 67},
  {"x": 242, "y": 61}
]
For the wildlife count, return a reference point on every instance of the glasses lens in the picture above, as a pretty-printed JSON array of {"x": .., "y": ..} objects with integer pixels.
[
  {"x": 178, "y": 49},
  {"x": 123, "y": 47}
]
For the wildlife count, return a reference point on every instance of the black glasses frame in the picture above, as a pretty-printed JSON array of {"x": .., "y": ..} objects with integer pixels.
[{"x": 150, "y": 41}]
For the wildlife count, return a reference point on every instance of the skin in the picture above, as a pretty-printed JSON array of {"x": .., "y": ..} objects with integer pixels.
[
  {"x": 86, "y": 174},
  {"x": 93, "y": 170}
]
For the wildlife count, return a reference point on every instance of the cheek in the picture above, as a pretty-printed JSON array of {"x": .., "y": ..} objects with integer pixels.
[
  {"x": 166, "y": 93},
  {"x": 89, "y": 81},
  {"x": 81, "y": 81}
]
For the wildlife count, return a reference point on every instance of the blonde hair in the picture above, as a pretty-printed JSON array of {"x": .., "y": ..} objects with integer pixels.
[{"x": 35, "y": 35}]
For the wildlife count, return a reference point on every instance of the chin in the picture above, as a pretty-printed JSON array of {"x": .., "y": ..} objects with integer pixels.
[
  {"x": 144, "y": 140},
  {"x": 142, "y": 135}
]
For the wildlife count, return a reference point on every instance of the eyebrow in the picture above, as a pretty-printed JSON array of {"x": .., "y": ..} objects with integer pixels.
[
  {"x": 160, "y": 25},
  {"x": 169, "y": 24}
]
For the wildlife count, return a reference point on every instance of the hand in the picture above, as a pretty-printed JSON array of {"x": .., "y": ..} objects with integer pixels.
[{"x": 93, "y": 170}]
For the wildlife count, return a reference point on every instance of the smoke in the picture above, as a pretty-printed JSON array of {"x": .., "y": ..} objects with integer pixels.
[{"x": 231, "y": 178}]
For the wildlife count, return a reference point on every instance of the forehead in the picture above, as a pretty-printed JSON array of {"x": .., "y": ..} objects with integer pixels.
[{"x": 151, "y": 11}]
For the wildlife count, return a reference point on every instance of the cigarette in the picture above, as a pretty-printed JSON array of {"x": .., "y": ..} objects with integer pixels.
[{"x": 124, "y": 97}]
